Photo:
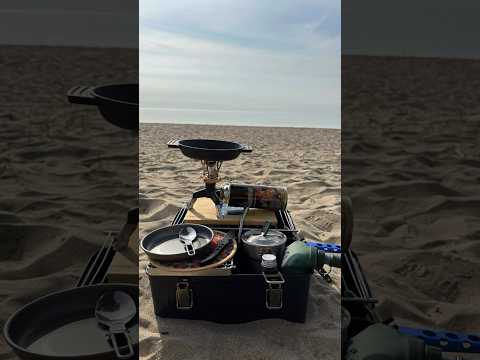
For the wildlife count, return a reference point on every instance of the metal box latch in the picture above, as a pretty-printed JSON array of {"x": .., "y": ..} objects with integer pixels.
[
  {"x": 184, "y": 295},
  {"x": 274, "y": 292}
]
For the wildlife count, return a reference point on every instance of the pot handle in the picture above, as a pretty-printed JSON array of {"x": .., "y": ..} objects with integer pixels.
[
  {"x": 82, "y": 95},
  {"x": 266, "y": 227},
  {"x": 174, "y": 144},
  {"x": 246, "y": 148}
]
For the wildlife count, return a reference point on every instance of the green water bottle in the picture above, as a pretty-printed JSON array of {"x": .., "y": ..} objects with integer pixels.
[{"x": 302, "y": 259}]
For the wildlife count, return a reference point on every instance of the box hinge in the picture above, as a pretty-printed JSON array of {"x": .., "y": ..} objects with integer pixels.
[
  {"x": 274, "y": 291},
  {"x": 184, "y": 295}
]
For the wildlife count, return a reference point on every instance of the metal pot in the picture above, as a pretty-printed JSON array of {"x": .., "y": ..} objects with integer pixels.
[{"x": 258, "y": 242}]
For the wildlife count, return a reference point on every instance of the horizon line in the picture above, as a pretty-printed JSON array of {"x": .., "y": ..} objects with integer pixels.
[{"x": 242, "y": 125}]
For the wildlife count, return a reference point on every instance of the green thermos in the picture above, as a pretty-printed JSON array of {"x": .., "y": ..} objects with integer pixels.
[{"x": 301, "y": 259}]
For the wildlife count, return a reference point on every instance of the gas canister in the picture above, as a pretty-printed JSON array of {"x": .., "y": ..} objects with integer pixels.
[{"x": 255, "y": 196}]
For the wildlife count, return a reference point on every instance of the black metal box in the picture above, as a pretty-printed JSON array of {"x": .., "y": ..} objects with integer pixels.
[{"x": 237, "y": 295}]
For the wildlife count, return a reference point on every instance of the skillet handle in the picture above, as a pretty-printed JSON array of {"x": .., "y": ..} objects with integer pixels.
[
  {"x": 246, "y": 148},
  {"x": 123, "y": 237},
  {"x": 133, "y": 214},
  {"x": 174, "y": 144},
  {"x": 81, "y": 95}
]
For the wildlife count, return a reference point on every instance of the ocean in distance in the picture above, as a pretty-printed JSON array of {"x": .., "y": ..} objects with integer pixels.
[{"x": 306, "y": 119}]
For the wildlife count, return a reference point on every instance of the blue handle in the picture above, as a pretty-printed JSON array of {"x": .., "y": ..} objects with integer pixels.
[
  {"x": 328, "y": 248},
  {"x": 448, "y": 341}
]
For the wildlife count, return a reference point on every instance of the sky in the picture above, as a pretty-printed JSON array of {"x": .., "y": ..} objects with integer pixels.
[{"x": 240, "y": 62}]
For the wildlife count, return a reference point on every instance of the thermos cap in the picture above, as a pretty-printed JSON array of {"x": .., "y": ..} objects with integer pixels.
[{"x": 269, "y": 261}]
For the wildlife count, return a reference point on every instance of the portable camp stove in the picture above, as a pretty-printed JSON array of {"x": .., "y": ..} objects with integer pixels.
[
  {"x": 211, "y": 153},
  {"x": 230, "y": 198}
]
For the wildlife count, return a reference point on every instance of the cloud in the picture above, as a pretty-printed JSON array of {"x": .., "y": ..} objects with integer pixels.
[{"x": 240, "y": 56}]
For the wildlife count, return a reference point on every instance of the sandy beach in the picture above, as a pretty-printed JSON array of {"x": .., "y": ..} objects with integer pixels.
[
  {"x": 307, "y": 162},
  {"x": 65, "y": 180},
  {"x": 410, "y": 139}
]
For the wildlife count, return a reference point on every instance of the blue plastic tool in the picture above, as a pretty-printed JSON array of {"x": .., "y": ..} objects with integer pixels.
[
  {"x": 328, "y": 248},
  {"x": 448, "y": 341}
]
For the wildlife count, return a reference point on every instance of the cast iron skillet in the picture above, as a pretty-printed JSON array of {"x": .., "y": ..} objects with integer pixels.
[
  {"x": 117, "y": 103},
  {"x": 163, "y": 235},
  {"x": 32, "y": 326},
  {"x": 209, "y": 150}
]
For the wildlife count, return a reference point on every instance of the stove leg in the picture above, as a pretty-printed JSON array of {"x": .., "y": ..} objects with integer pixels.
[{"x": 191, "y": 203}]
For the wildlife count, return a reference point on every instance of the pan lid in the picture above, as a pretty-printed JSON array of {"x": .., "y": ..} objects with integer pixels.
[{"x": 259, "y": 238}]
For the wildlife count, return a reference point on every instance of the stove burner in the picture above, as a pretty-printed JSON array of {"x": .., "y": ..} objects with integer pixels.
[
  {"x": 211, "y": 170},
  {"x": 211, "y": 153}
]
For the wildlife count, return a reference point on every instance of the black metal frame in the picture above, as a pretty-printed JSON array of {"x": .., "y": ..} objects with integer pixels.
[{"x": 283, "y": 217}]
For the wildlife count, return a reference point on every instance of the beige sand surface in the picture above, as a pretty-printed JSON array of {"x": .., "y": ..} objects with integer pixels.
[
  {"x": 412, "y": 150},
  {"x": 307, "y": 161},
  {"x": 59, "y": 186}
]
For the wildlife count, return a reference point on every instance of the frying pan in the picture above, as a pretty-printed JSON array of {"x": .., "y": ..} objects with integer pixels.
[
  {"x": 195, "y": 266},
  {"x": 162, "y": 244},
  {"x": 117, "y": 103},
  {"x": 62, "y": 325},
  {"x": 209, "y": 150}
]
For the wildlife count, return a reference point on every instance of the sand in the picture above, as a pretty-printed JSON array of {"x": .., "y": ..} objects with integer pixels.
[
  {"x": 64, "y": 178},
  {"x": 410, "y": 139},
  {"x": 307, "y": 161}
]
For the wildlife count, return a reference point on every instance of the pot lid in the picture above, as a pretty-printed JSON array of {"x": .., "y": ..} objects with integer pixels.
[{"x": 258, "y": 238}]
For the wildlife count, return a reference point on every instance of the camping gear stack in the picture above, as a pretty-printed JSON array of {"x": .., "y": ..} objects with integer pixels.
[{"x": 233, "y": 273}]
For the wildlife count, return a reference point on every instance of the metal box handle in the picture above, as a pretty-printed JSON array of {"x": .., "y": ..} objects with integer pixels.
[
  {"x": 274, "y": 291},
  {"x": 184, "y": 295}
]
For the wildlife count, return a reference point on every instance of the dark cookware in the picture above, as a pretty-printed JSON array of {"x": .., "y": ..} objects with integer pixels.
[
  {"x": 117, "y": 103},
  {"x": 209, "y": 150},
  {"x": 165, "y": 244},
  {"x": 62, "y": 325}
]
